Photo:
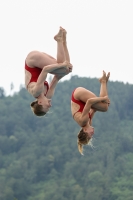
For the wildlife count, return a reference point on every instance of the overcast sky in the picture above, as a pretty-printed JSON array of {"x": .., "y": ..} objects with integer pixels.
[{"x": 100, "y": 36}]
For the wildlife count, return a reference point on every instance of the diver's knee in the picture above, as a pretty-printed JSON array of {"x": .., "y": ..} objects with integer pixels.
[{"x": 106, "y": 108}]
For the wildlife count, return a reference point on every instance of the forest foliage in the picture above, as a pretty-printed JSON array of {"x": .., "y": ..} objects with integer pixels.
[{"x": 39, "y": 158}]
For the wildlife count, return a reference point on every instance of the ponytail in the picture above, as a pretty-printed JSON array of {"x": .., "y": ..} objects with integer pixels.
[
  {"x": 80, "y": 147},
  {"x": 83, "y": 139}
]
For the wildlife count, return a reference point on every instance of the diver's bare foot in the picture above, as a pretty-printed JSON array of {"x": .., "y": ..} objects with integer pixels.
[
  {"x": 104, "y": 78},
  {"x": 107, "y": 77},
  {"x": 59, "y": 36},
  {"x": 64, "y": 34}
]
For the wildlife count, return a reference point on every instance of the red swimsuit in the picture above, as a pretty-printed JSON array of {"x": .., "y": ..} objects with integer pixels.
[
  {"x": 80, "y": 103},
  {"x": 35, "y": 72}
]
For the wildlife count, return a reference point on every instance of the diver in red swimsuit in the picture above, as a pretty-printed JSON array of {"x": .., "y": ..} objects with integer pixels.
[
  {"x": 38, "y": 65},
  {"x": 84, "y": 104},
  {"x": 35, "y": 72}
]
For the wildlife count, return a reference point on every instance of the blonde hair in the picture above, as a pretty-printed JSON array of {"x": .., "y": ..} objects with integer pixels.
[
  {"x": 37, "y": 109},
  {"x": 83, "y": 140}
]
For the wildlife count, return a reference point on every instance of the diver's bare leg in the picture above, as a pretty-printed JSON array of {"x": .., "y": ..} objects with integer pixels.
[
  {"x": 65, "y": 45},
  {"x": 102, "y": 106},
  {"x": 103, "y": 80},
  {"x": 60, "y": 48}
]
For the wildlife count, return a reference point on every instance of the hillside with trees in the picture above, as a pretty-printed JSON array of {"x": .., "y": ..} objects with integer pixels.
[{"x": 39, "y": 158}]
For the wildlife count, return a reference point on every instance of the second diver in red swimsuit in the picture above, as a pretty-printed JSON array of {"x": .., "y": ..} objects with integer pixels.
[{"x": 84, "y": 104}]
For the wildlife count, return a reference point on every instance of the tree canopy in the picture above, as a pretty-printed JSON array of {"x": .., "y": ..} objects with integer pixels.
[{"x": 39, "y": 158}]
